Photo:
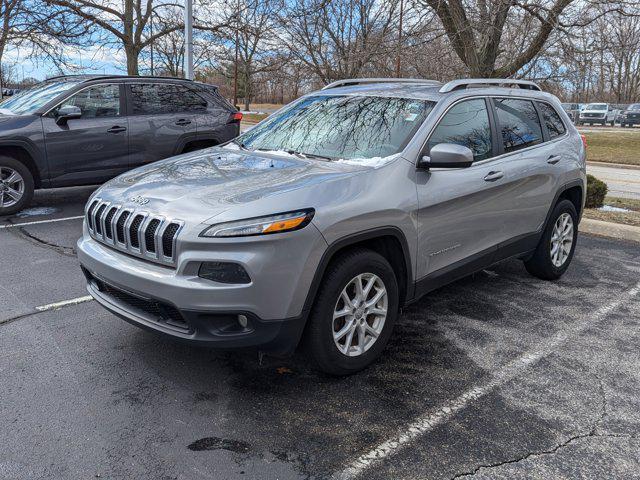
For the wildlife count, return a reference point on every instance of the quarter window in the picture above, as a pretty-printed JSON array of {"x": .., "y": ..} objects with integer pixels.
[
  {"x": 466, "y": 124},
  {"x": 95, "y": 102},
  {"x": 552, "y": 120},
  {"x": 161, "y": 98},
  {"x": 518, "y": 122}
]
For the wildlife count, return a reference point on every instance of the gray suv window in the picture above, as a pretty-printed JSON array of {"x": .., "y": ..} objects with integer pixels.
[
  {"x": 467, "y": 124},
  {"x": 95, "y": 102},
  {"x": 518, "y": 122},
  {"x": 552, "y": 120},
  {"x": 159, "y": 98}
]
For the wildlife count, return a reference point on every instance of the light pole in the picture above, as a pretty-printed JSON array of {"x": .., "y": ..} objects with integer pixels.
[
  {"x": 188, "y": 38},
  {"x": 399, "y": 40}
]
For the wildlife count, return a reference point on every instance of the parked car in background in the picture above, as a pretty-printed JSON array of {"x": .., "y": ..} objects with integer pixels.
[
  {"x": 327, "y": 217},
  {"x": 597, "y": 113},
  {"x": 630, "y": 116},
  {"x": 573, "y": 110},
  {"x": 81, "y": 130}
]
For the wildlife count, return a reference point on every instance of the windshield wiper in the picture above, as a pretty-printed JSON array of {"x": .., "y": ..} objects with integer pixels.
[
  {"x": 307, "y": 155},
  {"x": 241, "y": 145}
]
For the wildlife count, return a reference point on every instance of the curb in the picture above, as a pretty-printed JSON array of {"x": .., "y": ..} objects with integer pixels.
[
  {"x": 618, "y": 231},
  {"x": 613, "y": 165}
]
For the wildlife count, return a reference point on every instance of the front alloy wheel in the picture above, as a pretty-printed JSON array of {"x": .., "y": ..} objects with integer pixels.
[
  {"x": 359, "y": 314},
  {"x": 354, "y": 312},
  {"x": 12, "y": 187}
]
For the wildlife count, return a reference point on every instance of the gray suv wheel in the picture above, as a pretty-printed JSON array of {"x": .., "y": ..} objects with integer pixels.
[
  {"x": 354, "y": 312},
  {"x": 16, "y": 186}
]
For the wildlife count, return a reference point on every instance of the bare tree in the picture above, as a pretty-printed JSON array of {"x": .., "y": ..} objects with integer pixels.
[
  {"x": 477, "y": 29},
  {"x": 36, "y": 29},
  {"x": 340, "y": 38},
  {"x": 127, "y": 27}
]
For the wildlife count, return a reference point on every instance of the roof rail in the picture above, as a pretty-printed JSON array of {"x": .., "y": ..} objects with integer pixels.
[
  {"x": 359, "y": 81},
  {"x": 467, "y": 82}
]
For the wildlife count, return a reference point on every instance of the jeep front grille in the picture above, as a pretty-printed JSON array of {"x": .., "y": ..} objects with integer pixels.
[{"x": 137, "y": 233}]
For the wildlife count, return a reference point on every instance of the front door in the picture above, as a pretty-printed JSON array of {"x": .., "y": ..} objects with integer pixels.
[
  {"x": 459, "y": 215},
  {"x": 93, "y": 148}
]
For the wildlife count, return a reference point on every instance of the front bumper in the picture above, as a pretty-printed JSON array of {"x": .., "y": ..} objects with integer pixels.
[
  {"x": 635, "y": 120},
  {"x": 178, "y": 303}
]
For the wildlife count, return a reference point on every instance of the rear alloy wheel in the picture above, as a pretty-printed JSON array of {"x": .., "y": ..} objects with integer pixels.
[
  {"x": 353, "y": 314},
  {"x": 557, "y": 245},
  {"x": 16, "y": 186}
]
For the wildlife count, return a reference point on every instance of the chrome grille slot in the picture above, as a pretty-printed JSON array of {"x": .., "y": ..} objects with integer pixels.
[
  {"x": 134, "y": 231},
  {"x": 120, "y": 226},
  {"x": 108, "y": 230},
  {"x": 97, "y": 219},
  {"x": 150, "y": 235},
  {"x": 137, "y": 233},
  {"x": 90, "y": 210},
  {"x": 168, "y": 238}
]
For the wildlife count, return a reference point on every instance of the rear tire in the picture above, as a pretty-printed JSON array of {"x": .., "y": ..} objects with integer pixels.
[
  {"x": 16, "y": 186},
  {"x": 557, "y": 245},
  {"x": 367, "y": 329}
]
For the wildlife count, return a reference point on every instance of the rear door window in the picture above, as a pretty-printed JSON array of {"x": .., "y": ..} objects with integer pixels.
[
  {"x": 163, "y": 98},
  {"x": 518, "y": 123},
  {"x": 466, "y": 124},
  {"x": 552, "y": 120}
]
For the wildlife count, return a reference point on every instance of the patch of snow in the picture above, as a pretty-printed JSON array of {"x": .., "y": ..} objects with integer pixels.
[
  {"x": 375, "y": 162},
  {"x": 36, "y": 212},
  {"x": 611, "y": 208},
  {"x": 252, "y": 112}
]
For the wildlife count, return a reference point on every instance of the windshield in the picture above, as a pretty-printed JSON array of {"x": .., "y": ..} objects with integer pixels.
[
  {"x": 28, "y": 101},
  {"x": 596, "y": 106},
  {"x": 634, "y": 106},
  {"x": 340, "y": 127}
]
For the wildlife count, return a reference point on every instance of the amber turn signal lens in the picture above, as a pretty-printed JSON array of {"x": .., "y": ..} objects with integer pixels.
[{"x": 283, "y": 225}]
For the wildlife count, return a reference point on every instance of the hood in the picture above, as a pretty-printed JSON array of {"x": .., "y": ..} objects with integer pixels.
[{"x": 200, "y": 185}]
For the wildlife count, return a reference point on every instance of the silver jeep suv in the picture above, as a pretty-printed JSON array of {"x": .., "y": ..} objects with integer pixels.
[{"x": 323, "y": 220}]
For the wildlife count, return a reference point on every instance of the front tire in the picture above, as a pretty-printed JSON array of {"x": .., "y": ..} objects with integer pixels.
[
  {"x": 557, "y": 245},
  {"x": 16, "y": 186},
  {"x": 353, "y": 314}
]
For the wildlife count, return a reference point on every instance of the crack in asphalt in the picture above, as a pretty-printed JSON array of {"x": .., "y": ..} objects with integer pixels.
[
  {"x": 592, "y": 433},
  {"x": 61, "y": 249}
]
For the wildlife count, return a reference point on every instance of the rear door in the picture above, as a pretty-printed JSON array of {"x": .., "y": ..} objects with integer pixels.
[
  {"x": 527, "y": 164},
  {"x": 163, "y": 118},
  {"x": 94, "y": 147}
]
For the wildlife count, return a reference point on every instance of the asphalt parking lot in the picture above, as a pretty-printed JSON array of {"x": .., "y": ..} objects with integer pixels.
[{"x": 499, "y": 375}]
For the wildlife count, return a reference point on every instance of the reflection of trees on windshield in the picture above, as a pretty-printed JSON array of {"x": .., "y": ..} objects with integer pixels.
[{"x": 342, "y": 126}]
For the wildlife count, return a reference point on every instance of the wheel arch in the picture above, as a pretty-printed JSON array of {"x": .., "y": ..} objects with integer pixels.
[
  {"x": 390, "y": 242},
  {"x": 24, "y": 156}
]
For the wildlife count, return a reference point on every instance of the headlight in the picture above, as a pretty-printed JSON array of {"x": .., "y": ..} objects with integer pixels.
[{"x": 278, "y": 223}]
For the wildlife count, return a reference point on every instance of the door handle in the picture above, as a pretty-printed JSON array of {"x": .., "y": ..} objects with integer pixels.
[
  {"x": 553, "y": 159},
  {"x": 116, "y": 129},
  {"x": 182, "y": 122},
  {"x": 493, "y": 176}
]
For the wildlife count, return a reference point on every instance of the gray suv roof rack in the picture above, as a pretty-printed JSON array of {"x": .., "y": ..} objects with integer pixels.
[
  {"x": 467, "y": 82},
  {"x": 359, "y": 81}
]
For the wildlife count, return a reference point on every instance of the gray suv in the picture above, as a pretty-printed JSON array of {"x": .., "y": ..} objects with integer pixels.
[
  {"x": 321, "y": 222},
  {"x": 81, "y": 130}
]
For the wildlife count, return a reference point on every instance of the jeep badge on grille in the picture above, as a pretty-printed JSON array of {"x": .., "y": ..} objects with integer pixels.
[{"x": 140, "y": 200}]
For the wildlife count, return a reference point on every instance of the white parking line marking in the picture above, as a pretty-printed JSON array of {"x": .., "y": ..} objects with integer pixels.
[
  {"x": 431, "y": 420},
  {"x": 38, "y": 222},
  {"x": 64, "y": 303}
]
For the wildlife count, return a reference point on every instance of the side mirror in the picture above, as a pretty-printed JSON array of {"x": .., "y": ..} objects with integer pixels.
[
  {"x": 66, "y": 113},
  {"x": 447, "y": 155}
]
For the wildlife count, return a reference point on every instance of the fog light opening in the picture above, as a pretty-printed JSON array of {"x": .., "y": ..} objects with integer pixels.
[{"x": 243, "y": 321}]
